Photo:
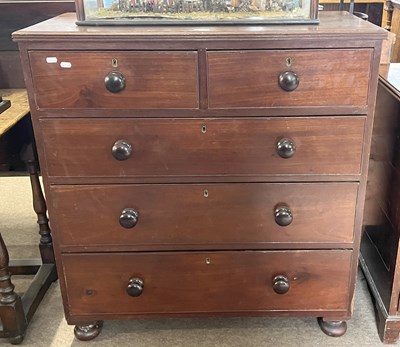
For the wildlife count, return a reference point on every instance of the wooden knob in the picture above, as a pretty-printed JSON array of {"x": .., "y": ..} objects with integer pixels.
[
  {"x": 283, "y": 216},
  {"x": 135, "y": 287},
  {"x": 128, "y": 218},
  {"x": 280, "y": 284},
  {"x": 114, "y": 82},
  {"x": 286, "y": 148},
  {"x": 121, "y": 150},
  {"x": 288, "y": 81}
]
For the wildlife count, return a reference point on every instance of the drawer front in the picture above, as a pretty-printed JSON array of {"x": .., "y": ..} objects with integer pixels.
[
  {"x": 206, "y": 282},
  {"x": 212, "y": 216},
  {"x": 251, "y": 78},
  {"x": 209, "y": 147},
  {"x": 152, "y": 79}
]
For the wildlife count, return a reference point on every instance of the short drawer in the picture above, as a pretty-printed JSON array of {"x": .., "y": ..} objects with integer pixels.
[
  {"x": 211, "y": 216},
  {"x": 162, "y": 148},
  {"x": 201, "y": 282},
  {"x": 152, "y": 80},
  {"x": 325, "y": 78}
]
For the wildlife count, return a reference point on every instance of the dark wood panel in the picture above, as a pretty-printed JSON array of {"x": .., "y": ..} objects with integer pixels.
[
  {"x": 11, "y": 75},
  {"x": 169, "y": 285},
  {"x": 326, "y": 78},
  {"x": 21, "y": 14},
  {"x": 380, "y": 251},
  {"x": 381, "y": 163},
  {"x": 211, "y": 214},
  {"x": 153, "y": 79},
  {"x": 183, "y": 147}
]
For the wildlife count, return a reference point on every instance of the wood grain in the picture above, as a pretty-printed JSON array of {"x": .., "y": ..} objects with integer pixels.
[
  {"x": 395, "y": 28},
  {"x": 19, "y": 108},
  {"x": 183, "y": 282},
  {"x": 153, "y": 79},
  {"x": 250, "y": 78},
  {"x": 178, "y": 147},
  {"x": 180, "y": 214},
  {"x": 219, "y": 145},
  {"x": 335, "y": 29}
]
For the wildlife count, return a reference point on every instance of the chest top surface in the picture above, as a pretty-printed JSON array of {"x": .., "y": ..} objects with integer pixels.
[{"x": 332, "y": 24}]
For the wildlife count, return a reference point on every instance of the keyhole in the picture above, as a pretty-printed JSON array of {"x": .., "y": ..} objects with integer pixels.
[
  {"x": 288, "y": 61},
  {"x": 205, "y": 193},
  {"x": 208, "y": 261},
  {"x": 114, "y": 62},
  {"x": 203, "y": 129}
]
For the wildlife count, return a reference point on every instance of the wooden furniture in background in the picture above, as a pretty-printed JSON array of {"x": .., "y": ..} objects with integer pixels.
[
  {"x": 395, "y": 28},
  {"x": 375, "y": 9},
  {"x": 15, "y": 130},
  {"x": 380, "y": 258},
  {"x": 16, "y": 14},
  {"x": 15, "y": 311},
  {"x": 20, "y": 108},
  {"x": 200, "y": 171}
]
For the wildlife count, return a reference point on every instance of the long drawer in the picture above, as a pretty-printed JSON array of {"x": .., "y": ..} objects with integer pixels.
[
  {"x": 319, "y": 78},
  {"x": 199, "y": 282},
  {"x": 65, "y": 79},
  {"x": 211, "y": 216},
  {"x": 162, "y": 148}
]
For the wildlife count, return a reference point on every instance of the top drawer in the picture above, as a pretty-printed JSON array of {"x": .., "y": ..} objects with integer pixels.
[
  {"x": 246, "y": 79},
  {"x": 152, "y": 79}
]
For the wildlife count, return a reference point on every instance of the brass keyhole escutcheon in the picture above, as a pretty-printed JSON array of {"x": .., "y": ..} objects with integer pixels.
[
  {"x": 114, "y": 62},
  {"x": 208, "y": 261},
  {"x": 205, "y": 193},
  {"x": 288, "y": 61},
  {"x": 204, "y": 129}
]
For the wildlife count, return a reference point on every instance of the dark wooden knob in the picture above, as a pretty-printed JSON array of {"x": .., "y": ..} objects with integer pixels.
[
  {"x": 128, "y": 218},
  {"x": 135, "y": 287},
  {"x": 280, "y": 284},
  {"x": 114, "y": 82},
  {"x": 121, "y": 150},
  {"x": 283, "y": 216},
  {"x": 286, "y": 148},
  {"x": 288, "y": 81}
]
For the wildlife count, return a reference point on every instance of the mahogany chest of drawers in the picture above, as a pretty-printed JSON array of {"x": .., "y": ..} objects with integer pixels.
[{"x": 197, "y": 171}]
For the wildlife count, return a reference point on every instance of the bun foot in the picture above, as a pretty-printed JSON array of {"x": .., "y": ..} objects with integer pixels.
[
  {"x": 88, "y": 332},
  {"x": 334, "y": 328},
  {"x": 16, "y": 340}
]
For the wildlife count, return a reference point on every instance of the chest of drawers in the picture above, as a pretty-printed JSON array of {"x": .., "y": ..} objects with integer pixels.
[{"x": 197, "y": 171}]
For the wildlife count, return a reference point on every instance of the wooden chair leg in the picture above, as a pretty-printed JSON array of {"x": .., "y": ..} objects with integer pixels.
[
  {"x": 11, "y": 309},
  {"x": 39, "y": 205}
]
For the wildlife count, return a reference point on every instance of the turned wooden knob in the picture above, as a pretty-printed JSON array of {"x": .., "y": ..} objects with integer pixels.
[
  {"x": 121, "y": 150},
  {"x": 114, "y": 82},
  {"x": 135, "y": 287},
  {"x": 128, "y": 218},
  {"x": 288, "y": 81},
  {"x": 280, "y": 284},
  {"x": 283, "y": 216},
  {"x": 286, "y": 148}
]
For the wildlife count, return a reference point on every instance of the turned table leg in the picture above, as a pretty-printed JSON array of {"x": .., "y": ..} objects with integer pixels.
[
  {"x": 11, "y": 309},
  {"x": 86, "y": 332},
  {"x": 334, "y": 328},
  {"x": 39, "y": 205}
]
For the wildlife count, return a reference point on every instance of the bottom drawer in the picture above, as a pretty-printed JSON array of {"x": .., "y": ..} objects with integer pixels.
[{"x": 201, "y": 282}]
